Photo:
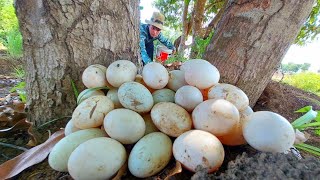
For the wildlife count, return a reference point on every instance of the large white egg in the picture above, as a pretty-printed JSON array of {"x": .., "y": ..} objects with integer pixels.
[
  {"x": 98, "y": 158},
  {"x": 200, "y": 73},
  {"x": 268, "y": 131},
  {"x": 60, "y": 153},
  {"x": 113, "y": 95},
  {"x": 218, "y": 117},
  {"x": 155, "y": 75},
  {"x": 150, "y": 155},
  {"x": 163, "y": 95},
  {"x": 121, "y": 71},
  {"x": 135, "y": 96},
  {"x": 95, "y": 76},
  {"x": 171, "y": 118},
  {"x": 124, "y": 125},
  {"x": 198, "y": 148},
  {"x": 176, "y": 80},
  {"x": 90, "y": 112},
  {"x": 230, "y": 93},
  {"x": 188, "y": 97},
  {"x": 85, "y": 94}
]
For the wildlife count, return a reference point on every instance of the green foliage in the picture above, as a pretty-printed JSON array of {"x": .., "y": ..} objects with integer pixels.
[
  {"x": 200, "y": 45},
  {"x": 310, "y": 119},
  {"x": 311, "y": 27},
  {"x": 10, "y": 35},
  {"x": 13, "y": 42},
  {"x": 307, "y": 81},
  {"x": 293, "y": 68},
  {"x": 20, "y": 89},
  {"x": 172, "y": 9},
  {"x": 175, "y": 58},
  {"x": 8, "y": 18}
]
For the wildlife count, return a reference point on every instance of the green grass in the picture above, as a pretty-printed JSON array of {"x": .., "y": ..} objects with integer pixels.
[
  {"x": 307, "y": 81},
  {"x": 13, "y": 43},
  {"x": 19, "y": 72}
]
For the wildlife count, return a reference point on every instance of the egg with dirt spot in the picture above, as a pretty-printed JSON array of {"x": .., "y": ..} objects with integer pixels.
[
  {"x": 91, "y": 112},
  {"x": 171, "y": 118},
  {"x": 230, "y": 93},
  {"x": 95, "y": 76},
  {"x": 98, "y": 158},
  {"x": 135, "y": 96},
  {"x": 198, "y": 148},
  {"x": 121, "y": 71},
  {"x": 150, "y": 155}
]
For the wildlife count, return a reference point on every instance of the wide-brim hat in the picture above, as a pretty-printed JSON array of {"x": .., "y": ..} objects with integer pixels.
[{"x": 157, "y": 20}]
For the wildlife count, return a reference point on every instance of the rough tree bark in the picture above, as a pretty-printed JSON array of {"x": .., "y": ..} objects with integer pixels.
[
  {"x": 181, "y": 46},
  {"x": 197, "y": 24},
  {"x": 252, "y": 38},
  {"x": 61, "y": 38}
]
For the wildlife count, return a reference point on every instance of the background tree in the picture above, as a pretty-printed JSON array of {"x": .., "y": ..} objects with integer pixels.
[
  {"x": 61, "y": 38},
  {"x": 305, "y": 66},
  {"x": 251, "y": 39},
  {"x": 292, "y": 67}
]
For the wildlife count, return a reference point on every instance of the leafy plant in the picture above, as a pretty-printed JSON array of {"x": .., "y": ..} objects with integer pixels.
[
  {"x": 20, "y": 89},
  {"x": 201, "y": 45},
  {"x": 311, "y": 119},
  {"x": 10, "y": 35},
  {"x": 13, "y": 42},
  {"x": 175, "y": 58},
  {"x": 307, "y": 81},
  {"x": 8, "y": 20}
]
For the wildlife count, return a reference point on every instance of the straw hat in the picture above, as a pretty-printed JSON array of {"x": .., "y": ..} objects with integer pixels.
[{"x": 156, "y": 20}]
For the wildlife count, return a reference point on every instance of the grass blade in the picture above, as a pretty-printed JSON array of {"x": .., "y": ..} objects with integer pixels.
[
  {"x": 308, "y": 148},
  {"x": 75, "y": 89},
  {"x": 90, "y": 90},
  {"x": 306, "y": 118}
]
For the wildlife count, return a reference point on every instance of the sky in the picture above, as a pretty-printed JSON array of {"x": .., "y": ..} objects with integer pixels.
[{"x": 310, "y": 53}]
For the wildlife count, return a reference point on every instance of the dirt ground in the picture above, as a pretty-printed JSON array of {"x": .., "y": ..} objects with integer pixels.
[{"x": 241, "y": 162}]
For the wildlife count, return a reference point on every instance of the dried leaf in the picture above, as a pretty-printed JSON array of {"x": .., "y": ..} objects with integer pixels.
[
  {"x": 9, "y": 116},
  {"x": 122, "y": 171},
  {"x": 176, "y": 170},
  {"x": 18, "y": 106},
  {"x": 30, "y": 157},
  {"x": 171, "y": 170},
  {"x": 20, "y": 125}
]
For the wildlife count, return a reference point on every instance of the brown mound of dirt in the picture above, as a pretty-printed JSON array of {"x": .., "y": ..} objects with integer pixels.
[
  {"x": 284, "y": 100},
  {"x": 268, "y": 166}
]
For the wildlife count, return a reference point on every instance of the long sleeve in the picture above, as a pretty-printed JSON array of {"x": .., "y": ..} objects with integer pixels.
[
  {"x": 165, "y": 41},
  {"x": 144, "y": 55}
]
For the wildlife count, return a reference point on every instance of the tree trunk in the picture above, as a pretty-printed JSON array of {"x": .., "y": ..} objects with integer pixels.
[
  {"x": 184, "y": 35},
  {"x": 62, "y": 38},
  {"x": 252, "y": 38},
  {"x": 197, "y": 24}
]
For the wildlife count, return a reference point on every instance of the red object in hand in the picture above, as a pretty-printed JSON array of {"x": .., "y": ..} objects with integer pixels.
[{"x": 163, "y": 56}]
